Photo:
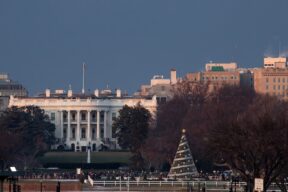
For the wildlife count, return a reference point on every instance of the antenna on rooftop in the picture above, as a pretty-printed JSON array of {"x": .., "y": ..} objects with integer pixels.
[{"x": 83, "y": 80}]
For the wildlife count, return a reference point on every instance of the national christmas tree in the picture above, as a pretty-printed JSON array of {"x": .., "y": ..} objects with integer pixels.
[{"x": 183, "y": 166}]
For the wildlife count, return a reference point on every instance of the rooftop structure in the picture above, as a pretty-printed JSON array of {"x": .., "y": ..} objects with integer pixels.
[
  {"x": 275, "y": 62},
  {"x": 159, "y": 87},
  {"x": 221, "y": 66}
]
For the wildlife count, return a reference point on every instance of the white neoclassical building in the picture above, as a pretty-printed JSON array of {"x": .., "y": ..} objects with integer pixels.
[{"x": 84, "y": 120}]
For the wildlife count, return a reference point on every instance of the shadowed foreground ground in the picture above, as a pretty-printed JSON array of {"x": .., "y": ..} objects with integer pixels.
[{"x": 35, "y": 185}]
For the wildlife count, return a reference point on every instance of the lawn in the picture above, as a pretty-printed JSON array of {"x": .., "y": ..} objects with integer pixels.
[{"x": 81, "y": 157}]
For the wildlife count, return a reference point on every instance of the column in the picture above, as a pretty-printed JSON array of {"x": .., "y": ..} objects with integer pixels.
[
  {"x": 98, "y": 124},
  {"x": 69, "y": 125},
  {"x": 89, "y": 126},
  {"x": 105, "y": 124},
  {"x": 78, "y": 126},
  {"x": 61, "y": 125}
]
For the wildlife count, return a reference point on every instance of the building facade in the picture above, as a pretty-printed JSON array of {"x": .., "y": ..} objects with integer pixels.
[
  {"x": 275, "y": 62},
  {"x": 7, "y": 88},
  {"x": 84, "y": 120},
  {"x": 272, "y": 81},
  {"x": 160, "y": 87},
  {"x": 219, "y": 74}
]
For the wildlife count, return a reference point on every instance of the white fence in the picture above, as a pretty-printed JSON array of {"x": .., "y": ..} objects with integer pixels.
[{"x": 196, "y": 185}]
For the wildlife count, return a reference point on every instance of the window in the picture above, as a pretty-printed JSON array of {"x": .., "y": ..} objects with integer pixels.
[
  {"x": 94, "y": 118},
  {"x": 52, "y": 117},
  {"x": 279, "y": 80},
  {"x": 101, "y": 131},
  {"x": 274, "y": 87},
  {"x": 83, "y": 133},
  {"x": 93, "y": 133},
  {"x": 83, "y": 116},
  {"x": 283, "y": 80},
  {"x": 267, "y": 80},
  {"x": 73, "y": 133},
  {"x": 283, "y": 87},
  {"x": 102, "y": 116},
  {"x": 65, "y": 133},
  {"x": 274, "y": 80},
  {"x": 64, "y": 117},
  {"x": 279, "y": 87},
  {"x": 267, "y": 87},
  {"x": 73, "y": 117}
]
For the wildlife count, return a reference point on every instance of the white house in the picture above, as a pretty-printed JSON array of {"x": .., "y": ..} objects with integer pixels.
[{"x": 84, "y": 120}]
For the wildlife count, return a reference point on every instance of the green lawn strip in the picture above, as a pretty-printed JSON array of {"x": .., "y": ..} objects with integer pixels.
[{"x": 81, "y": 157}]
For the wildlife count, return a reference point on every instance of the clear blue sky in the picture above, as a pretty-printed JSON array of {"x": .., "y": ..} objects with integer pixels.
[{"x": 124, "y": 43}]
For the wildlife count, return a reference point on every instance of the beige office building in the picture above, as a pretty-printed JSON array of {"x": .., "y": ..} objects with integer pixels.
[
  {"x": 272, "y": 81},
  {"x": 219, "y": 74}
]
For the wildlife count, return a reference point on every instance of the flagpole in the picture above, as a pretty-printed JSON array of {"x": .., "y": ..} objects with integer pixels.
[{"x": 83, "y": 80}]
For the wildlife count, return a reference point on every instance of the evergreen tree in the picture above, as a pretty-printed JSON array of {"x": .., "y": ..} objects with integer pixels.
[
  {"x": 183, "y": 166},
  {"x": 25, "y": 133},
  {"x": 131, "y": 127}
]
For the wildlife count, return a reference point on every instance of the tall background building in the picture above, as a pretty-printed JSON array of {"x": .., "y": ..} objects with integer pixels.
[
  {"x": 7, "y": 88},
  {"x": 272, "y": 79}
]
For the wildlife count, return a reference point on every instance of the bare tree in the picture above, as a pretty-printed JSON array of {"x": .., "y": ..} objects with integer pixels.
[{"x": 253, "y": 142}]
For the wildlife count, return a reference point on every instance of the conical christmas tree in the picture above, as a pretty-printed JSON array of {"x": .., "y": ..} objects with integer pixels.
[{"x": 183, "y": 166}]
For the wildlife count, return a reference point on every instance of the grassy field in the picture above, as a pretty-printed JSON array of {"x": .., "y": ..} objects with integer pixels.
[{"x": 81, "y": 157}]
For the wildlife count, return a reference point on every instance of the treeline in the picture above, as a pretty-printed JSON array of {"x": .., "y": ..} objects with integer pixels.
[
  {"x": 25, "y": 134},
  {"x": 231, "y": 127}
]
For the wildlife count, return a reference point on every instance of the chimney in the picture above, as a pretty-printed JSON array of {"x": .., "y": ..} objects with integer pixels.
[
  {"x": 173, "y": 76},
  {"x": 96, "y": 93},
  {"x": 70, "y": 93},
  {"x": 47, "y": 92},
  {"x": 118, "y": 93}
]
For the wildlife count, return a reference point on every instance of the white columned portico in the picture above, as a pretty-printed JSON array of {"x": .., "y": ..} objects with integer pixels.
[
  {"x": 88, "y": 125},
  {"x": 69, "y": 125},
  {"x": 78, "y": 126},
  {"x": 98, "y": 125}
]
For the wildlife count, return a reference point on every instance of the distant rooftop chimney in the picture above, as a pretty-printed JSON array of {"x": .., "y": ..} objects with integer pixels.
[
  {"x": 96, "y": 93},
  {"x": 118, "y": 93},
  {"x": 70, "y": 93},
  {"x": 47, "y": 93},
  {"x": 173, "y": 76}
]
